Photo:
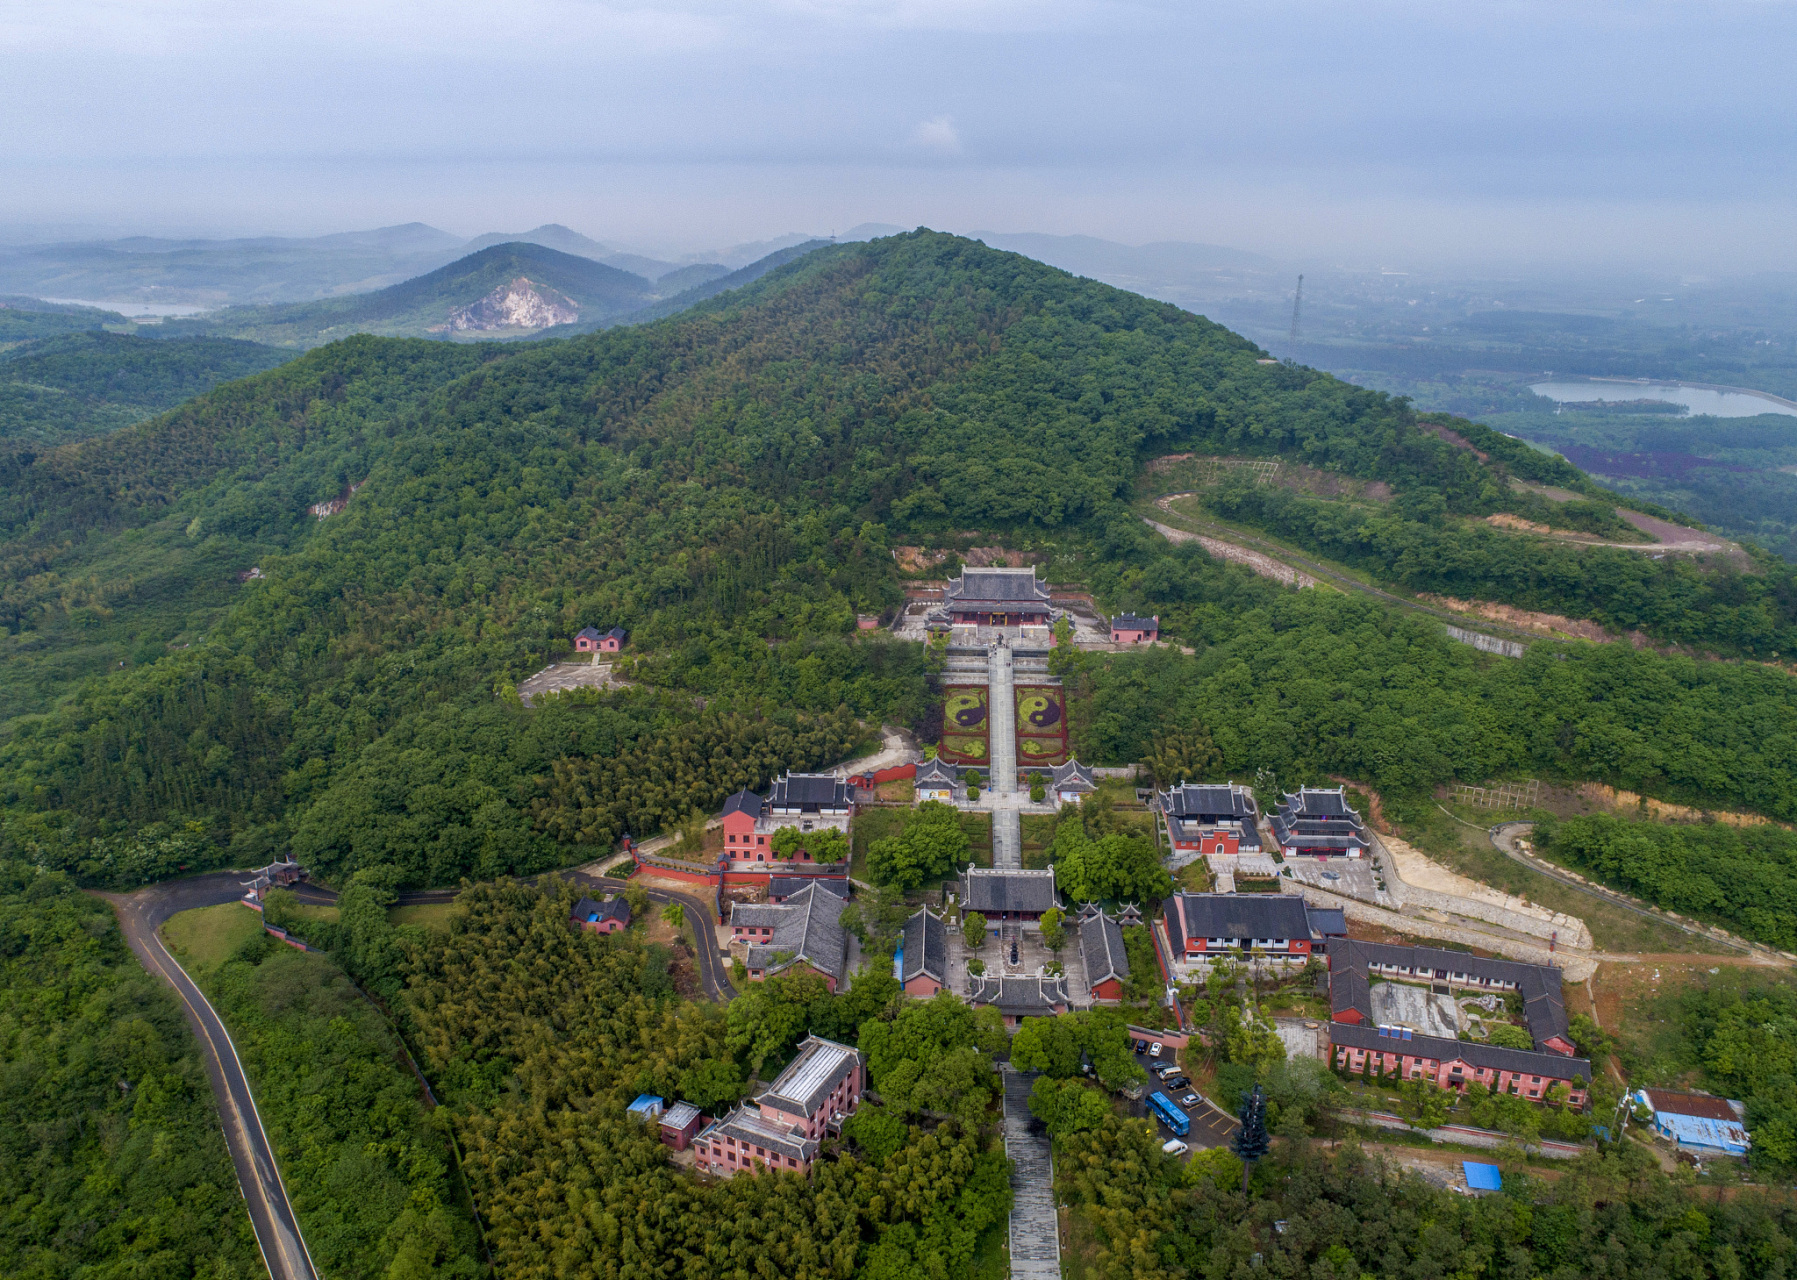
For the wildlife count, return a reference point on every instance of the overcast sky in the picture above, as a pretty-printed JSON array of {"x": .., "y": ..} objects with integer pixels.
[{"x": 1651, "y": 134}]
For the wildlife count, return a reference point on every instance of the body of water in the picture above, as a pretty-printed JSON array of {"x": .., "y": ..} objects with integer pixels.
[
  {"x": 1719, "y": 404},
  {"x": 133, "y": 310}
]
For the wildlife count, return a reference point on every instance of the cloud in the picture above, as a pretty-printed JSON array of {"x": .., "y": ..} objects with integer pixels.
[{"x": 937, "y": 136}]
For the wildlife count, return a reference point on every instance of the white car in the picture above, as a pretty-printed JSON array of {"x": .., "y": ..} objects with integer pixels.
[
  {"x": 1154, "y": 1050},
  {"x": 1175, "y": 1147},
  {"x": 1168, "y": 1072}
]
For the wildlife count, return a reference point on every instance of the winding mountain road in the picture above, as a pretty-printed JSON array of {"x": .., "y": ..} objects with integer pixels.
[{"x": 140, "y": 914}]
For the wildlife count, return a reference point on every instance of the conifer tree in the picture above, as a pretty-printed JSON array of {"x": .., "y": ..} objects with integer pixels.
[{"x": 1250, "y": 1141}]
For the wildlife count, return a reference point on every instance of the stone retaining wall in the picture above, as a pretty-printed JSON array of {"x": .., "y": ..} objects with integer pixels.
[
  {"x": 1545, "y": 924},
  {"x": 1574, "y": 967}
]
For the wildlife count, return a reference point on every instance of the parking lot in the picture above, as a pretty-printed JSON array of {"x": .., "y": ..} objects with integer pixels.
[{"x": 1210, "y": 1126}]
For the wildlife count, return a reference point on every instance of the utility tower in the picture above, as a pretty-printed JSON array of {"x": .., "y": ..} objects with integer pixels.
[{"x": 1297, "y": 307}]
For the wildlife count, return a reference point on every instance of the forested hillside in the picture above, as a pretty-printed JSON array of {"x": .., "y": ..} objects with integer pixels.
[
  {"x": 728, "y": 485},
  {"x": 111, "y": 1158},
  {"x": 83, "y": 384}
]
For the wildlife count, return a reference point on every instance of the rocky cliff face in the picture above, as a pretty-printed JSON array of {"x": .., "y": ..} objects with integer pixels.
[{"x": 521, "y": 304}]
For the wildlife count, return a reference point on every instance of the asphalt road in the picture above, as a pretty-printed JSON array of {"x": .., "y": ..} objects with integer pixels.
[{"x": 271, "y": 1213}]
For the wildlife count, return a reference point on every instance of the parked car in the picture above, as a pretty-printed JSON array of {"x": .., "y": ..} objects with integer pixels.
[
  {"x": 1190, "y": 1100},
  {"x": 1154, "y": 1050},
  {"x": 1171, "y": 1069},
  {"x": 1141, "y": 1046},
  {"x": 1175, "y": 1147},
  {"x": 1179, "y": 1082}
]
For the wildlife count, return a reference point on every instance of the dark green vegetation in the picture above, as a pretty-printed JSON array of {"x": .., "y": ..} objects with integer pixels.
[
  {"x": 1431, "y": 536},
  {"x": 932, "y": 847},
  {"x": 111, "y": 1159},
  {"x": 1310, "y": 683},
  {"x": 369, "y": 1171},
  {"x": 1744, "y": 878},
  {"x": 1143, "y": 1216},
  {"x": 538, "y": 1036},
  {"x": 422, "y": 305},
  {"x": 1098, "y": 859},
  {"x": 32, "y": 319},
  {"x": 727, "y": 484},
  {"x": 1736, "y": 1031},
  {"x": 87, "y": 384}
]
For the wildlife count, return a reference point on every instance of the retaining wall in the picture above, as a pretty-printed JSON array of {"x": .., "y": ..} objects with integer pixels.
[
  {"x": 1488, "y": 644},
  {"x": 1574, "y": 967},
  {"x": 1571, "y": 930}
]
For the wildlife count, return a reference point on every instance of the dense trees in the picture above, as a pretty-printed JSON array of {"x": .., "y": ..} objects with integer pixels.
[
  {"x": 728, "y": 484},
  {"x": 1310, "y": 683},
  {"x": 1713, "y": 607},
  {"x": 539, "y": 1035},
  {"x": 1742, "y": 877},
  {"x": 1352, "y": 1213},
  {"x": 1116, "y": 866},
  {"x": 932, "y": 847},
  {"x": 76, "y": 385},
  {"x": 111, "y": 1158},
  {"x": 1740, "y": 1032},
  {"x": 369, "y": 1174}
]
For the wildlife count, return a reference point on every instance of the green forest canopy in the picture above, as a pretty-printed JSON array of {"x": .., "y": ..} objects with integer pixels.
[{"x": 728, "y": 484}]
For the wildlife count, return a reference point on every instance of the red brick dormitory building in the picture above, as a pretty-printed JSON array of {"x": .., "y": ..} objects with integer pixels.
[
  {"x": 817, "y": 1091},
  {"x": 803, "y": 801},
  {"x": 1359, "y": 1042}
]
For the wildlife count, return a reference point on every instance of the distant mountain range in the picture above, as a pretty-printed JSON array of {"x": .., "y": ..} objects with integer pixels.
[{"x": 507, "y": 290}]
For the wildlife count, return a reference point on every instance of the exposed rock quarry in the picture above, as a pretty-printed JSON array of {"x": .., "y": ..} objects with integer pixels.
[{"x": 522, "y": 304}]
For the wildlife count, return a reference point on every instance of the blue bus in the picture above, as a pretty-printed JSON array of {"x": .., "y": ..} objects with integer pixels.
[{"x": 1168, "y": 1114}]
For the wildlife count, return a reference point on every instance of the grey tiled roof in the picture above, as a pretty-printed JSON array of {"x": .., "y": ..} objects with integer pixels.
[
  {"x": 1037, "y": 995},
  {"x": 998, "y": 586},
  {"x": 1074, "y": 774},
  {"x": 1242, "y": 915},
  {"x": 1211, "y": 801},
  {"x": 758, "y": 915},
  {"x": 936, "y": 771},
  {"x": 743, "y": 802},
  {"x": 1530, "y": 1061},
  {"x": 1543, "y": 1005},
  {"x": 985, "y": 890},
  {"x": 1318, "y": 802},
  {"x": 590, "y": 909},
  {"x": 815, "y": 1071},
  {"x": 925, "y": 948},
  {"x": 788, "y": 886},
  {"x": 1133, "y": 622},
  {"x": 809, "y": 790},
  {"x": 1331, "y": 922},
  {"x": 807, "y": 930},
  {"x": 1101, "y": 946}
]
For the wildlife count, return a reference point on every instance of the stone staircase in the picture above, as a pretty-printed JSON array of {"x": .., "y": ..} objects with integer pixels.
[{"x": 1035, "y": 1228}]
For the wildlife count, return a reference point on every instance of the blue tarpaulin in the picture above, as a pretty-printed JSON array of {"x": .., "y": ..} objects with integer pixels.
[{"x": 1482, "y": 1177}]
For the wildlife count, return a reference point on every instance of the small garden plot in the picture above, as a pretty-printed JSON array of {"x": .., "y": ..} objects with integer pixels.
[
  {"x": 964, "y": 709},
  {"x": 966, "y": 721},
  {"x": 1041, "y": 725}
]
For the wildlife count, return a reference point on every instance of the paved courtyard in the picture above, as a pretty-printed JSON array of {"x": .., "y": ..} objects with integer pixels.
[
  {"x": 562, "y": 676},
  {"x": 1423, "y": 1011}
]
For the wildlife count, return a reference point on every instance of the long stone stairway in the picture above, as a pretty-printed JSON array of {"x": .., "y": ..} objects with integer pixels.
[
  {"x": 1001, "y": 728},
  {"x": 1035, "y": 1228}
]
